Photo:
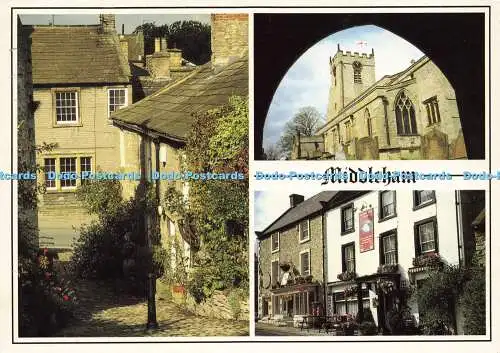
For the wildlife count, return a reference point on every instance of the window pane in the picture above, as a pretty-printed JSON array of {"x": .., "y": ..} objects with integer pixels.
[
  {"x": 66, "y": 106},
  {"x": 304, "y": 229},
  {"x": 68, "y": 165},
  {"x": 49, "y": 166}
]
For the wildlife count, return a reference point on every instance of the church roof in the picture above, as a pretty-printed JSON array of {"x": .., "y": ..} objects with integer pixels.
[{"x": 76, "y": 54}]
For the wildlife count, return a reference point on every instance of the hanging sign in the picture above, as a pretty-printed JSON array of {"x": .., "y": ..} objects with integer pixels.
[{"x": 366, "y": 242}]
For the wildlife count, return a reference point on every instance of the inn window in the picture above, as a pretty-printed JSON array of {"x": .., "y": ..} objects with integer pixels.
[
  {"x": 432, "y": 108},
  {"x": 426, "y": 236},
  {"x": 387, "y": 204},
  {"x": 349, "y": 304},
  {"x": 389, "y": 248},
  {"x": 68, "y": 165},
  {"x": 347, "y": 214},
  {"x": 406, "y": 123},
  {"x": 305, "y": 263},
  {"x": 67, "y": 107},
  {"x": 304, "y": 230},
  {"x": 348, "y": 258},
  {"x": 274, "y": 272},
  {"x": 422, "y": 198},
  {"x": 275, "y": 242},
  {"x": 117, "y": 98},
  {"x": 49, "y": 166},
  {"x": 357, "y": 71}
]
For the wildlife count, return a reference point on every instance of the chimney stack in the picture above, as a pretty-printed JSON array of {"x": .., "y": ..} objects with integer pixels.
[
  {"x": 157, "y": 45},
  {"x": 124, "y": 47},
  {"x": 229, "y": 37},
  {"x": 163, "y": 44},
  {"x": 107, "y": 22},
  {"x": 295, "y": 199}
]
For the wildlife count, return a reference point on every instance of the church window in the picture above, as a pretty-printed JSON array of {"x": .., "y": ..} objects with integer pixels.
[
  {"x": 368, "y": 119},
  {"x": 405, "y": 115},
  {"x": 357, "y": 71},
  {"x": 431, "y": 105}
]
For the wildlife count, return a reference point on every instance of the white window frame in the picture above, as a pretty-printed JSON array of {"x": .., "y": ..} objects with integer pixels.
[
  {"x": 77, "y": 161},
  {"x": 77, "y": 108},
  {"x": 429, "y": 241},
  {"x": 308, "y": 231},
  {"x": 45, "y": 173},
  {"x": 109, "y": 96},
  {"x": 308, "y": 251},
  {"x": 272, "y": 243}
]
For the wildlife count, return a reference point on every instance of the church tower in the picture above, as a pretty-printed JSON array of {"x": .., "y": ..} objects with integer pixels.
[{"x": 351, "y": 74}]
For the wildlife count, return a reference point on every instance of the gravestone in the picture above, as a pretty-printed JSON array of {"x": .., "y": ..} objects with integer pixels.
[
  {"x": 434, "y": 145},
  {"x": 367, "y": 148}
]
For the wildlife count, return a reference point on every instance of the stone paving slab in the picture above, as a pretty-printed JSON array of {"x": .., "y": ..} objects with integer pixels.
[{"x": 101, "y": 313}]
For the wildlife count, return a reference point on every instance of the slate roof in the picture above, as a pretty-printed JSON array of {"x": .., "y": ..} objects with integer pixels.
[
  {"x": 76, "y": 54},
  {"x": 170, "y": 111},
  {"x": 302, "y": 210}
]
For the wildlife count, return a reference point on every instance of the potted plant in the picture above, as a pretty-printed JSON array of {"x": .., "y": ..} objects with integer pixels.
[
  {"x": 386, "y": 286},
  {"x": 300, "y": 280},
  {"x": 308, "y": 278},
  {"x": 285, "y": 267}
]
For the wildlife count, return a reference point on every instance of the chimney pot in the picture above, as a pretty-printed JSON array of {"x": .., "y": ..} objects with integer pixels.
[{"x": 295, "y": 199}]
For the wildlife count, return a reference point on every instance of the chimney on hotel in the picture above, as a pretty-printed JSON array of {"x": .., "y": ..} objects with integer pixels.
[
  {"x": 229, "y": 37},
  {"x": 295, "y": 200},
  {"x": 107, "y": 23}
]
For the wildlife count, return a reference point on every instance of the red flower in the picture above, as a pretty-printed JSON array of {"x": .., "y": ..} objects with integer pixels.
[{"x": 66, "y": 297}]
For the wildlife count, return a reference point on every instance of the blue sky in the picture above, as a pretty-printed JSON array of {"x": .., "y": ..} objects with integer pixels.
[
  {"x": 307, "y": 82},
  {"x": 131, "y": 21}
]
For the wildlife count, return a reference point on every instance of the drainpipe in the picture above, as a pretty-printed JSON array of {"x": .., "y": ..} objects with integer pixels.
[
  {"x": 460, "y": 230},
  {"x": 325, "y": 257}
]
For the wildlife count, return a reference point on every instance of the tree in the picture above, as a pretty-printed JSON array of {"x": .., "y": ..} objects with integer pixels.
[
  {"x": 306, "y": 121},
  {"x": 192, "y": 37},
  {"x": 272, "y": 152}
]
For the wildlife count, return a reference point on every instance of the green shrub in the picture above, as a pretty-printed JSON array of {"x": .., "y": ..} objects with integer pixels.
[{"x": 473, "y": 302}]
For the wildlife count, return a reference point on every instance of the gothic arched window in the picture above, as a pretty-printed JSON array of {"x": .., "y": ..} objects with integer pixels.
[
  {"x": 356, "y": 66},
  {"x": 405, "y": 115},
  {"x": 368, "y": 119}
]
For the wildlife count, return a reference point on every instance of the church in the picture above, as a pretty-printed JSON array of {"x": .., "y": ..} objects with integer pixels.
[{"x": 409, "y": 115}]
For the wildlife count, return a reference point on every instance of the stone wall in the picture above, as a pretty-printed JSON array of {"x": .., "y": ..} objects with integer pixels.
[{"x": 218, "y": 306}]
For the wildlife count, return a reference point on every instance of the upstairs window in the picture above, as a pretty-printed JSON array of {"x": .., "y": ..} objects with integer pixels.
[
  {"x": 406, "y": 123},
  {"x": 275, "y": 272},
  {"x": 426, "y": 236},
  {"x": 423, "y": 198},
  {"x": 389, "y": 250},
  {"x": 66, "y": 107},
  {"x": 117, "y": 98},
  {"x": 275, "y": 242},
  {"x": 348, "y": 258},
  {"x": 304, "y": 230},
  {"x": 356, "y": 66},
  {"x": 305, "y": 263},
  {"x": 387, "y": 204},
  {"x": 432, "y": 108},
  {"x": 347, "y": 220}
]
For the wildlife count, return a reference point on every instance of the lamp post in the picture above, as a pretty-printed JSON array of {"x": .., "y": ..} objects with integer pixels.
[{"x": 152, "y": 323}]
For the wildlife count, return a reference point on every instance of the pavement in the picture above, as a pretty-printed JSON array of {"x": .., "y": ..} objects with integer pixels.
[
  {"x": 263, "y": 329},
  {"x": 102, "y": 313}
]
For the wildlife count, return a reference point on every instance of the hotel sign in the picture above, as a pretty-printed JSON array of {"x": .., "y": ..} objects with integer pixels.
[{"x": 366, "y": 242}]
